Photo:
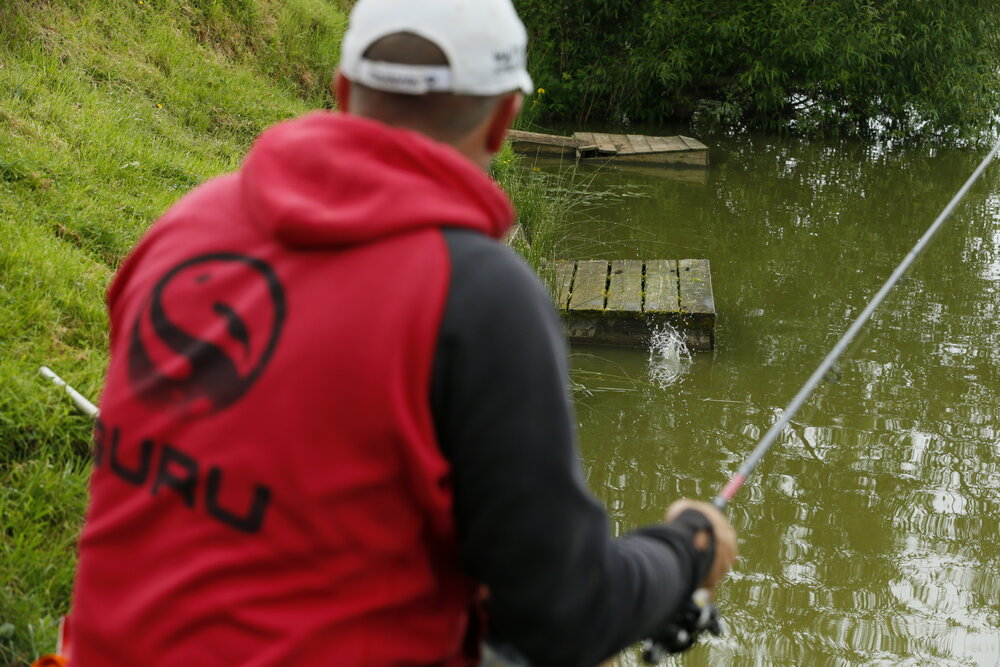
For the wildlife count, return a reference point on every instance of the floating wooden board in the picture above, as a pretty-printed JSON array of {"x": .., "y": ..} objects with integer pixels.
[
  {"x": 621, "y": 302},
  {"x": 589, "y": 286},
  {"x": 633, "y": 148},
  {"x": 545, "y": 145}
]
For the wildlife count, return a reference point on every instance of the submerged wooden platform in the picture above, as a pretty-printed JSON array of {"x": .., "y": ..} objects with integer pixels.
[
  {"x": 621, "y": 302},
  {"x": 634, "y": 148}
]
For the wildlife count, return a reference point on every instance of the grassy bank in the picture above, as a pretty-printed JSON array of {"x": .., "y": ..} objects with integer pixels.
[{"x": 109, "y": 111}]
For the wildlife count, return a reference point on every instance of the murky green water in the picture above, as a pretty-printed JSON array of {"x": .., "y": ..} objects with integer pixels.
[{"x": 870, "y": 533}]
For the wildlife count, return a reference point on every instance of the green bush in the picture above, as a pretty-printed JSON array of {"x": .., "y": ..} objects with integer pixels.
[{"x": 895, "y": 67}]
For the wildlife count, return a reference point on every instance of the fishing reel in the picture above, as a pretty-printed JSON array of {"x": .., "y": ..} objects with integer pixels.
[{"x": 699, "y": 615}]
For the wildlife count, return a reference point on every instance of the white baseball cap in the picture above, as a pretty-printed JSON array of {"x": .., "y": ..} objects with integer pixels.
[{"x": 484, "y": 41}]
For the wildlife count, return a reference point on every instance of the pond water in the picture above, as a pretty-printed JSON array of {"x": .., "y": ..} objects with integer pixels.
[{"x": 869, "y": 534}]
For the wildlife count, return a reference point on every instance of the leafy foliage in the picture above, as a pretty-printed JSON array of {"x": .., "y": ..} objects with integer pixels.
[{"x": 889, "y": 66}]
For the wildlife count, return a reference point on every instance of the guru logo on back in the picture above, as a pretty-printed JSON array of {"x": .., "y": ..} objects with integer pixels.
[
  {"x": 202, "y": 339},
  {"x": 208, "y": 330}
]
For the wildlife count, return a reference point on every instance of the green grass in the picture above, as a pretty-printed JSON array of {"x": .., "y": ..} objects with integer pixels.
[
  {"x": 109, "y": 111},
  {"x": 546, "y": 204},
  {"x": 43, "y": 502}
]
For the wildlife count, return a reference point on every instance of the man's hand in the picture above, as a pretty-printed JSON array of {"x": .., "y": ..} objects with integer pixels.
[{"x": 725, "y": 538}]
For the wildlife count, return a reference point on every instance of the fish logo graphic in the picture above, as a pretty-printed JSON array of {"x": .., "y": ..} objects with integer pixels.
[{"x": 206, "y": 333}]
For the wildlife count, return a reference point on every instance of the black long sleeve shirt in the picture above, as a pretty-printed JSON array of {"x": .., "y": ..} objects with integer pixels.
[{"x": 563, "y": 592}]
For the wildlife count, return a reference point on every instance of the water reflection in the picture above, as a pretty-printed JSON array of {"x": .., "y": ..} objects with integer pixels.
[{"x": 869, "y": 534}]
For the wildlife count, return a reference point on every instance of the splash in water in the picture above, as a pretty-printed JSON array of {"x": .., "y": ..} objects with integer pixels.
[{"x": 669, "y": 357}]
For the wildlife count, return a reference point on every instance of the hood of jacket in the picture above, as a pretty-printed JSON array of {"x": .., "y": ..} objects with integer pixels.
[{"x": 332, "y": 179}]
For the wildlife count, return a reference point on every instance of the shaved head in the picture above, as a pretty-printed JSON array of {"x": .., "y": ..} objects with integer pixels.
[{"x": 446, "y": 117}]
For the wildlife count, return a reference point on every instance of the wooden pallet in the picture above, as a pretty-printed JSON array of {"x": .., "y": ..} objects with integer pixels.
[
  {"x": 621, "y": 302},
  {"x": 647, "y": 150},
  {"x": 629, "y": 148}
]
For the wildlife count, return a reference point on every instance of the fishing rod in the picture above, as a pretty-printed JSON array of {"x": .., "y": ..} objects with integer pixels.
[
  {"x": 79, "y": 400},
  {"x": 828, "y": 367},
  {"x": 700, "y": 614}
]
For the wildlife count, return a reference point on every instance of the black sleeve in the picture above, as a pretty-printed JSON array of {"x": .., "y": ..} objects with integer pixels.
[{"x": 563, "y": 591}]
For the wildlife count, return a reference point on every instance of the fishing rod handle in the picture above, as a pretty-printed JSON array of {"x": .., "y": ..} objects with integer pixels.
[{"x": 698, "y": 616}]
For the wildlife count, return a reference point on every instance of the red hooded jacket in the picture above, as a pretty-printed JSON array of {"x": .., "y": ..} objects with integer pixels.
[{"x": 268, "y": 489}]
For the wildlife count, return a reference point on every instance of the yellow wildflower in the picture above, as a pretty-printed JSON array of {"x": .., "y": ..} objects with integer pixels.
[{"x": 541, "y": 91}]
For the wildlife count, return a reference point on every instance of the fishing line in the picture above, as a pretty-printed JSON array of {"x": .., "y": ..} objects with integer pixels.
[{"x": 828, "y": 364}]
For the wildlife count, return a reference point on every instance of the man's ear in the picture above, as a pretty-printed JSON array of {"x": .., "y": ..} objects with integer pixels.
[
  {"x": 503, "y": 116},
  {"x": 342, "y": 91}
]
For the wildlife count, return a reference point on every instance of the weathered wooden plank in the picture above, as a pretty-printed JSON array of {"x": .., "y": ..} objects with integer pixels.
[
  {"x": 672, "y": 144},
  {"x": 519, "y": 136},
  {"x": 589, "y": 285},
  {"x": 695, "y": 280},
  {"x": 640, "y": 144},
  {"x": 591, "y": 148},
  {"x": 657, "y": 144},
  {"x": 622, "y": 143},
  {"x": 625, "y": 286},
  {"x": 589, "y": 137},
  {"x": 661, "y": 286},
  {"x": 564, "y": 281},
  {"x": 693, "y": 144},
  {"x": 660, "y": 144},
  {"x": 606, "y": 142}
]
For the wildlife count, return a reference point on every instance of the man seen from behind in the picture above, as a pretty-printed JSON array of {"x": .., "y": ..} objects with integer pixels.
[{"x": 336, "y": 428}]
